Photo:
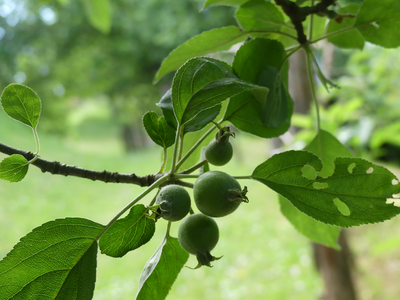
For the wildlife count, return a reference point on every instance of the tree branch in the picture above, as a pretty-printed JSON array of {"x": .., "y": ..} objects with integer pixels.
[
  {"x": 298, "y": 14},
  {"x": 57, "y": 168}
]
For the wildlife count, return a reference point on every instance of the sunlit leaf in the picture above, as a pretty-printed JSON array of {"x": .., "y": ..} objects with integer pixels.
[
  {"x": 57, "y": 260},
  {"x": 22, "y": 104},
  {"x": 259, "y": 15},
  {"x": 128, "y": 233},
  {"x": 327, "y": 148},
  {"x": 356, "y": 184},
  {"x": 13, "y": 168},
  {"x": 350, "y": 39},
  {"x": 379, "y": 21},
  {"x": 158, "y": 130},
  {"x": 212, "y": 41},
  {"x": 161, "y": 270}
]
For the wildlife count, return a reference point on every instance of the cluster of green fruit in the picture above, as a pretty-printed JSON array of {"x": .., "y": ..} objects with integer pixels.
[{"x": 216, "y": 194}]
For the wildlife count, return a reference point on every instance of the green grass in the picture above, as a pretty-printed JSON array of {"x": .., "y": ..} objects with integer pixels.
[{"x": 263, "y": 256}]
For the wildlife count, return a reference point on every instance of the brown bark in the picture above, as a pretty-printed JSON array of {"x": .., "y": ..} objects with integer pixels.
[
  {"x": 335, "y": 268},
  {"x": 299, "y": 88}
]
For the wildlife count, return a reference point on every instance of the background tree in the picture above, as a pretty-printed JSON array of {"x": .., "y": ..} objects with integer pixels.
[{"x": 52, "y": 47}]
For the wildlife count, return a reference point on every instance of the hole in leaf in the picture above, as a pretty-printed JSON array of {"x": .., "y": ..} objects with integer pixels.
[
  {"x": 370, "y": 170},
  {"x": 395, "y": 182},
  {"x": 375, "y": 24},
  {"x": 351, "y": 167},
  {"x": 396, "y": 196},
  {"x": 394, "y": 201},
  {"x": 320, "y": 185},
  {"x": 309, "y": 172},
  {"x": 342, "y": 207}
]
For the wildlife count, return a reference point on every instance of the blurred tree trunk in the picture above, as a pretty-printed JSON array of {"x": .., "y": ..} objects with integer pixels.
[
  {"x": 334, "y": 266},
  {"x": 134, "y": 136}
]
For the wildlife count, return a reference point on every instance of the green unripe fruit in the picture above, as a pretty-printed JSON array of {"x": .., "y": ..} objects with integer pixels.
[
  {"x": 198, "y": 234},
  {"x": 218, "y": 194},
  {"x": 174, "y": 202},
  {"x": 219, "y": 154},
  {"x": 220, "y": 151}
]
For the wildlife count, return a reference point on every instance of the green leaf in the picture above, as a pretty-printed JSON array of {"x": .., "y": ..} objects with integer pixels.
[
  {"x": 350, "y": 39},
  {"x": 57, "y": 260},
  {"x": 243, "y": 111},
  {"x": 379, "y": 21},
  {"x": 259, "y": 15},
  {"x": 196, "y": 124},
  {"x": 258, "y": 61},
  {"x": 128, "y": 233},
  {"x": 202, "y": 83},
  {"x": 158, "y": 130},
  {"x": 202, "y": 119},
  {"x": 161, "y": 270},
  {"x": 212, "y": 41},
  {"x": 316, "y": 231},
  {"x": 224, "y": 2},
  {"x": 276, "y": 111},
  {"x": 355, "y": 194},
  {"x": 98, "y": 13},
  {"x": 168, "y": 109},
  {"x": 22, "y": 104},
  {"x": 13, "y": 168},
  {"x": 327, "y": 148}
]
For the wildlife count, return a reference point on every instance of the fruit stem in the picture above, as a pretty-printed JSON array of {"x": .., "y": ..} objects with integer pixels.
[
  {"x": 181, "y": 145},
  {"x": 133, "y": 202},
  {"x": 185, "y": 176},
  {"x": 164, "y": 161},
  {"x": 194, "y": 168},
  {"x": 36, "y": 141},
  {"x": 174, "y": 166},
  {"x": 168, "y": 229},
  {"x": 33, "y": 159},
  {"x": 243, "y": 177},
  {"x": 184, "y": 183},
  {"x": 311, "y": 23},
  {"x": 197, "y": 144}
]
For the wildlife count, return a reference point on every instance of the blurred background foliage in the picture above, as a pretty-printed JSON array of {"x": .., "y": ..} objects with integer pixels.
[
  {"x": 364, "y": 112},
  {"x": 53, "y": 47}
]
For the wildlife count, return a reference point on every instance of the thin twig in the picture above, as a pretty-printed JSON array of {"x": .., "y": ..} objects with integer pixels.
[{"x": 57, "y": 168}]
